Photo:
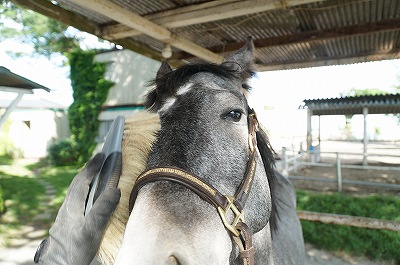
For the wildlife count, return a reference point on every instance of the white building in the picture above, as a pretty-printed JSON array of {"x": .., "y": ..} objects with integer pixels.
[
  {"x": 32, "y": 126},
  {"x": 130, "y": 73}
]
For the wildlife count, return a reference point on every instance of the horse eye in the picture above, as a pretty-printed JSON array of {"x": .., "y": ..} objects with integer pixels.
[{"x": 234, "y": 115}]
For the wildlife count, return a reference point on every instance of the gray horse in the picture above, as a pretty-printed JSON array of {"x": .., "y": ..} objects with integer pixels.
[{"x": 205, "y": 128}]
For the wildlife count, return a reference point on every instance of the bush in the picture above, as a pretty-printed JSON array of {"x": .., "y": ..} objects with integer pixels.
[
  {"x": 1, "y": 200},
  {"x": 90, "y": 92},
  {"x": 63, "y": 153}
]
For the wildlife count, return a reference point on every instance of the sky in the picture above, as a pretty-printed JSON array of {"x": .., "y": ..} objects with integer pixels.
[{"x": 51, "y": 73}]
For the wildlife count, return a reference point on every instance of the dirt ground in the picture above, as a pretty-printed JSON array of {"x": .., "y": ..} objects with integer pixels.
[{"x": 370, "y": 175}]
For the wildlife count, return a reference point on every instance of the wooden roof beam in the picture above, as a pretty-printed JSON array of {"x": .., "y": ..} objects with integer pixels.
[
  {"x": 133, "y": 20},
  {"x": 202, "y": 13},
  {"x": 367, "y": 57},
  {"x": 80, "y": 22},
  {"x": 308, "y": 36}
]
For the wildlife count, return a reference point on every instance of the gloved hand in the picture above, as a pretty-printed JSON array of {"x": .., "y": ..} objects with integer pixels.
[{"x": 75, "y": 238}]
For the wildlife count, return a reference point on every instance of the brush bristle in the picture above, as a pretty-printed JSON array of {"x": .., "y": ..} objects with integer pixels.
[{"x": 139, "y": 134}]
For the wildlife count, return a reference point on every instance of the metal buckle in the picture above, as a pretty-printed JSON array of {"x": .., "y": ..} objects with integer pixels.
[
  {"x": 239, "y": 217},
  {"x": 253, "y": 123}
]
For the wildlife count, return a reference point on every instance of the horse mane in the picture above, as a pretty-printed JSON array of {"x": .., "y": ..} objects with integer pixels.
[
  {"x": 167, "y": 85},
  {"x": 267, "y": 156},
  {"x": 139, "y": 134}
]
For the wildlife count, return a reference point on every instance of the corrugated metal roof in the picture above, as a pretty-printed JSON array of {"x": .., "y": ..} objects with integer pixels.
[
  {"x": 9, "y": 80},
  {"x": 287, "y": 34},
  {"x": 377, "y": 104}
]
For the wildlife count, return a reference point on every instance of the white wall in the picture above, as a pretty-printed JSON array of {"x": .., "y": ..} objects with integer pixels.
[
  {"x": 33, "y": 131},
  {"x": 130, "y": 72}
]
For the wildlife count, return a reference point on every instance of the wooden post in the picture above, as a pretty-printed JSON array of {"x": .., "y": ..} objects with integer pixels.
[{"x": 338, "y": 172}]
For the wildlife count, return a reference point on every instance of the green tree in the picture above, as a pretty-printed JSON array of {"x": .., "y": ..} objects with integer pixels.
[
  {"x": 90, "y": 92},
  {"x": 46, "y": 35},
  {"x": 363, "y": 92},
  {"x": 358, "y": 93},
  {"x": 397, "y": 88},
  {"x": 90, "y": 89}
]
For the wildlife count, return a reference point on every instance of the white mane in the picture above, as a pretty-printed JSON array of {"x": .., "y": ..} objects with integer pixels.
[{"x": 139, "y": 134}]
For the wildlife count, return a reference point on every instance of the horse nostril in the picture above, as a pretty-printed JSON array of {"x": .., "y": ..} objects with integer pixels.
[{"x": 172, "y": 260}]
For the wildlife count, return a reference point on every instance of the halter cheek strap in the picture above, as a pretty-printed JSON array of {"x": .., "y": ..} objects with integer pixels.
[{"x": 223, "y": 203}]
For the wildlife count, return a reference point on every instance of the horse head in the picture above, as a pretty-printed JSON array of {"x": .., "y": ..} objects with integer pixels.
[{"x": 206, "y": 136}]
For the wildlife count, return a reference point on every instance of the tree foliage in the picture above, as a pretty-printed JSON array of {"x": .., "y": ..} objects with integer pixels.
[
  {"x": 46, "y": 35},
  {"x": 363, "y": 92},
  {"x": 90, "y": 91}
]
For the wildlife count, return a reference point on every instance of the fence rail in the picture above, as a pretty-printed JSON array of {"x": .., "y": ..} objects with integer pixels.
[
  {"x": 289, "y": 164},
  {"x": 356, "y": 221},
  {"x": 293, "y": 163}
]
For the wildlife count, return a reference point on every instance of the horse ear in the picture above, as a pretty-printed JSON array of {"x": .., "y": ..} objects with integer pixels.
[
  {"x": 164, "y": 69},
  {"x": 242, "y": 60}
]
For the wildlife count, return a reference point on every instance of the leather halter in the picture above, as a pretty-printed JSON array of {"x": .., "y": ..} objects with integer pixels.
[{"x": 240, "y": 231}]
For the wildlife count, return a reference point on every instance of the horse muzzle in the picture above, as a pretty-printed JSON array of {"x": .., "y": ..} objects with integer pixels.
[{"x": 164, "y": 228}]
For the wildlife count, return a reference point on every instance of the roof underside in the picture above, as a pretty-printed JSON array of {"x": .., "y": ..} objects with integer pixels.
[
  {"x": 15, "y": 83},
  {"x": 378, "y": 104},
  {"x": 287, "y": 34}
]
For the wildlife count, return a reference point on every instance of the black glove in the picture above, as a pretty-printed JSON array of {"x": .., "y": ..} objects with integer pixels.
[{"x": 75, "y": 238}]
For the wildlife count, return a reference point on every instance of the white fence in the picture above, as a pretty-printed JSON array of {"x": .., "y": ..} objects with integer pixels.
[{"x": 291, "y": 164}]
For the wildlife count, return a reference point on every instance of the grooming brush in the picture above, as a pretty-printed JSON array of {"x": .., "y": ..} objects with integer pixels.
[{"x": 112, "y": 163}]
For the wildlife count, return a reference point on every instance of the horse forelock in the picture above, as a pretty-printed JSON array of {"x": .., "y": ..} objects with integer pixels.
[{"x": 170, "y": 84}]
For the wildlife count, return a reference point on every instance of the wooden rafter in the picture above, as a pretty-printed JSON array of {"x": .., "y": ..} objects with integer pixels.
[
  {"x": 202, "y": 13},
  {"x": 310, "y": 36},
  {"x": 133, "y": 20},
  {"x": 360, "y": 58},
  {"x": 80, "y": 22}
]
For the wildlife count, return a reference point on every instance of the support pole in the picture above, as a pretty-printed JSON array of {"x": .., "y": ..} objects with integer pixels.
[
  {"x": 319, "y": 131},
  {"x": 365, "y": 139},
  {"x": 10, "y": 108},
  {"x": 338, "y": 172},
  {"x": 309, "y": 131}
]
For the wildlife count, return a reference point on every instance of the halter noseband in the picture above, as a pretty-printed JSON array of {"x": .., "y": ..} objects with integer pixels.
[{"x": 223, "y": 203}]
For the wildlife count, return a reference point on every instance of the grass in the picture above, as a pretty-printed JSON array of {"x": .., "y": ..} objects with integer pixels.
[
  {"x": 376, "y": 244},
  {"x": 22, "y": 194},
  {"x": 60, "y": 178}
]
